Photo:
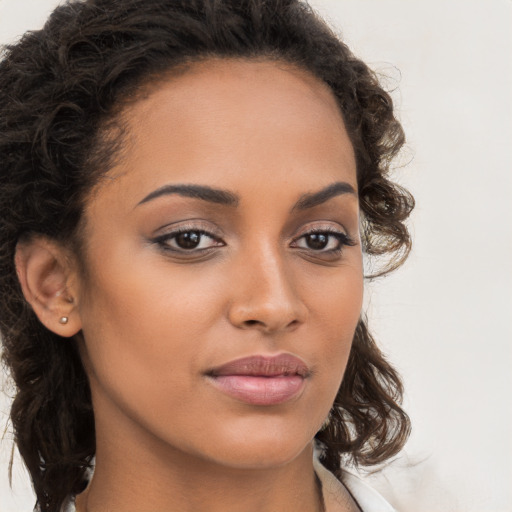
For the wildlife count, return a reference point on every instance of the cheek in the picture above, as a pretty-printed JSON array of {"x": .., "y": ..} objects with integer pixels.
[
  {"x": 336, "y": 302},
  {"x": 142, "y": 328},
  {"x": 334, "y": 305},
  {"x": 143, "y": 292},
  {"x": 337, "y": 314}
]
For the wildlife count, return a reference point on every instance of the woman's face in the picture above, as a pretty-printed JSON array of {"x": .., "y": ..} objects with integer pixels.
[{"x": 229, "y": 230}]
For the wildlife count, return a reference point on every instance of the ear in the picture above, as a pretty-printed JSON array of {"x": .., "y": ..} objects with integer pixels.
[{"x": 48, "y": 283}]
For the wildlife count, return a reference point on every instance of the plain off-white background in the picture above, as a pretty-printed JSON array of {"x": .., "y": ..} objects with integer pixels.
[{"x": 445, "y": 318}]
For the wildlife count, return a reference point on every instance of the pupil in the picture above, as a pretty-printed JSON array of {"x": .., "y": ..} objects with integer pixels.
[
  {"x": 317, "y": 240},
  {"x": 188, "y": 240}
]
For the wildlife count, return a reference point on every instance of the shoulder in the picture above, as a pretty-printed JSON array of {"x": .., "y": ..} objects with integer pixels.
[{"x": 334, "y": 491}]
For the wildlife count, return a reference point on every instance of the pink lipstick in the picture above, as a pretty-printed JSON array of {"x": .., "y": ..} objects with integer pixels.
[{"x": 261, "y": 380}]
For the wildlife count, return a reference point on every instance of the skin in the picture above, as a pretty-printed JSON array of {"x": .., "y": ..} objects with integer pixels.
[{"x": 153, "y": 320}]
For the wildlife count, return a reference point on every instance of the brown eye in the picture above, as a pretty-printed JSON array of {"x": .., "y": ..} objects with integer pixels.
[
  {"x": 188, "y": 239},
  {"x": 323, "y": 241},
  {"x": 317, "y": 241}
]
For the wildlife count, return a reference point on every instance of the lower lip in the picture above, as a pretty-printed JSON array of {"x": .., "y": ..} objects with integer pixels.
[{"x": 256, "y": 390}]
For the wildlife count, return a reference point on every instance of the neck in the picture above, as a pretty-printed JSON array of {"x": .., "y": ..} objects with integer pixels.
[
  {"x": 289, "y": 488},
  {"x": 147, "y": 477}
]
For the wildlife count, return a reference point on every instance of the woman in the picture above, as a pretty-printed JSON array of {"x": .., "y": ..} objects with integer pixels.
[{"x": 187, "y": 188}]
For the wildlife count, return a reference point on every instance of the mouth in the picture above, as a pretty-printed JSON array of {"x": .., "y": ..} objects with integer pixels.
[{"x": 261, "y": 380}]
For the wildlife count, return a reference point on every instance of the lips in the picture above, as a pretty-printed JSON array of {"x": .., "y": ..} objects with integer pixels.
[{"x": 261, "y": 380}]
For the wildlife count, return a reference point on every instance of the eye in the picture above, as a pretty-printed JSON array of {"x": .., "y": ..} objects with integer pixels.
[
  {"x": 188, "y": 240},
  {"x": 323, "y": 240}
]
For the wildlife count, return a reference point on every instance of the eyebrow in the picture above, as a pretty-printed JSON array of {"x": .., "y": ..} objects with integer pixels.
[
  {"x": 313, "y": 199},
  {"x": 212, "y": 195},
  {"x": 225, "y": 197}
]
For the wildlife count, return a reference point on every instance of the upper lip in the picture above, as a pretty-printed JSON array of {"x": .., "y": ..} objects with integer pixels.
[{"x": 263, "y": 366}]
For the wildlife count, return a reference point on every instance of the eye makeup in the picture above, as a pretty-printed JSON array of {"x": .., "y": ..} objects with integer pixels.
[{"x": 193, "y": 240}]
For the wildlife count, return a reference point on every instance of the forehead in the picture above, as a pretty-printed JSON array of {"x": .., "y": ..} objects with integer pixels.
[
  {"x": 229, "y": 81},
  {"x": 223, "y": 121}
]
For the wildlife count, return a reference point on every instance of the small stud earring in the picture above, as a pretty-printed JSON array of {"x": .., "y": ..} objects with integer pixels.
[{"x": 63, "y": 320}]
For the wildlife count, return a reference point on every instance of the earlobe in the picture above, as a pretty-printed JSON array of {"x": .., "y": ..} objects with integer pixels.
[{"x": 45, "y": 277}]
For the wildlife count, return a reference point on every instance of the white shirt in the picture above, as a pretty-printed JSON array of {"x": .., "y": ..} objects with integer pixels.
[{"x": 367, "y": 498}]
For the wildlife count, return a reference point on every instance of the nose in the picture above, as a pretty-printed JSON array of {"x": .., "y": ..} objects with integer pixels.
[{"x": 265, "y": 295}]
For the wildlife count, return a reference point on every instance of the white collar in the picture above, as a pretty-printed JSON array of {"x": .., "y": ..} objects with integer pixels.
[{"x": 335, "y": 492}]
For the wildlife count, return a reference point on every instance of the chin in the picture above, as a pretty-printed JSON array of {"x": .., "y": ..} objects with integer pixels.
[
  {"x": 261, "y": 459},
  {"x": 261, "y": 448}
]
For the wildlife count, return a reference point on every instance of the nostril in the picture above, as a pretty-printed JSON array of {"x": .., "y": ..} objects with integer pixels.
[{"x": 251, "y": 322}]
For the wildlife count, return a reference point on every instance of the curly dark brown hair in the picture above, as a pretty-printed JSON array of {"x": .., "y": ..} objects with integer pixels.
[{"x": 60, "y": 89}]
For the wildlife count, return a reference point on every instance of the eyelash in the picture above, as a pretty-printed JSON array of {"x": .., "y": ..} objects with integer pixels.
[{"x": 163, "y": 240}]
